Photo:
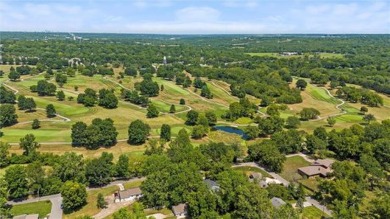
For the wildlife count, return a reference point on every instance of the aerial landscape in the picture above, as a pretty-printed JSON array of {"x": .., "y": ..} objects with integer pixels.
[{"x": 194, "y": 109}]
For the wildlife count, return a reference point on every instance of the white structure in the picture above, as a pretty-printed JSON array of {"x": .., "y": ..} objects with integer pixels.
[
  {"x": 266, "y": 181},
  {"x": 180, "y": 210},
  {"x": 25, "y": 216},
  {"x": 128, "y": 195}
]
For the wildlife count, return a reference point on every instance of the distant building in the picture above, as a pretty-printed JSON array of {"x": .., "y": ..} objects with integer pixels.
[
  {"x": 317, "y": 168},
  {"x": 277, "y": 202},
  {"x": 128, "y": 195},
  {"x": 266, "y": 181},
  {"x": 180, "y": 210},
  {"x": 212, "y": 185},
  {"x": 27, "y": 216}
]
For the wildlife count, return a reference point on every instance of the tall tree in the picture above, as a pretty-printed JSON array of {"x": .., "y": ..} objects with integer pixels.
[
  {"x": 138, "y": 132},
  {"x": 74, "y": 196},
  {"x": 30, "y": 104},
  {"x": 122, "y": 166},
  {"x": 70, "y": 167},
  {"x": 50, "y": 111},
  {"x": 4, "y": 152},
  {"x": 98, "y": 170},
  {"x": 8, "y": 115},
  {"x": 29, "y": 145},
  {"x": 152, "y": 111},
  {"x": 165, "y": 132},
  {"x": 17, "y": 184}
]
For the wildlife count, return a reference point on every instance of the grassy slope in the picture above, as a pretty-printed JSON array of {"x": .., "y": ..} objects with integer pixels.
[{"x": 42, "y": 208}]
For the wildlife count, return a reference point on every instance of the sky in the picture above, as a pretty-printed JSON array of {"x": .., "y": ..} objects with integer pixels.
[{"x": 197, "y": 16}]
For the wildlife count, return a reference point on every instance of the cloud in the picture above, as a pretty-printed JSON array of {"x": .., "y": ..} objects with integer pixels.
[
  {"x": 241, "y": 3},
  {"x": 197, "y": 14}
]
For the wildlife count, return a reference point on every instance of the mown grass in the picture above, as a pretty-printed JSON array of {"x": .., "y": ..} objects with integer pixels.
[
  {"x": 134, "y": 184},
  {"x": 312, "y": 212},
  {"x": 42, "y": 208},
  {"x": 310, "y": 183},
  {"x": 290, "y": 168},
  {"x": 90, "y": 208}
]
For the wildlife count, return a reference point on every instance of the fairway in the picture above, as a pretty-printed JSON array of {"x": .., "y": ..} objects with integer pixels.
[{"x": 42, "y": 208}]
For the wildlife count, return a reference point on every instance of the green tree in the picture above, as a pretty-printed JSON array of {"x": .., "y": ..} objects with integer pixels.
[
  {"x": 301, "y": 84},
  {"x": 70, "y": 167},
  {"x": 4, "y": 152},
  {"x": 60, "y": 95},
  {"x": 35, "y": 176},
  {"x": 29, "y": 145},
  {"x": 100, "y": 202},
  {"x": 369, "y": 118},
  {"x": 6, "y": 96},
  {"x": 192, "y": 117},
  {"x": 199, "y": 131},
  {"x": 288, "y": 142},
  {"x": 309, "y": 113},
  {"x": 30, "y": 104},
  {"x": 252, "y": 132},
  {"x": 165, "y": 132},
  {"x": 122, "y": 166},
  {"x": 4, "y": 207},
  {"x": 182, "y": 102},
  {"x": 50, "y": 111},
  {"x": 107, "y": 99},
  {"x": 98, "y": 170},
  {"x": 17, "y": 184},
  {"x": 211, "y": 117},
  {"x": 13, "y": 76},
  {"x": 8, "y": 115},
  {"x": 293, "y": 122},
  {"x": 331, "y": 121},
  {"x": 363, "y": 110},
  {"x": 152, "y": 111},
  {"x": 172, "y": 109},
  {"x": 36, "y": 124},
  {"x": 21, "y": 102},
  {"x": 267, "y": 154},
  {"x": 205, "y": 92},
  {"x": 138, "y": 132},
  {"x": 74, "y": 196},
  {"x": 270, "y": 125}
]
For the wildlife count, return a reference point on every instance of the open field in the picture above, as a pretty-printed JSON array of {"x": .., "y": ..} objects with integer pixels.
[
  {"x": 42, "y": 208},
  {"x": 290, "y": 168}
]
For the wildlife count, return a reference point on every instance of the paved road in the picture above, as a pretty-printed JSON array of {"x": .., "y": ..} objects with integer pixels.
[{"x": 316, "y": 204}]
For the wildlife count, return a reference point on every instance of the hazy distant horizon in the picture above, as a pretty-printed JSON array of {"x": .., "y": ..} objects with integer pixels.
[{"x": 175, "y": 17}]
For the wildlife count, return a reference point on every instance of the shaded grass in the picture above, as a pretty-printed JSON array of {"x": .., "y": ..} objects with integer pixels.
[
  {"x": 310, "y": 183},
  {"x": 42, "y": 208},
  {"x": 290, "y": 168}
]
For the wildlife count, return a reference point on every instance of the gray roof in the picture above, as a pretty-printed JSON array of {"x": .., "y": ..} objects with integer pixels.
[
  {"x": 277, "y": 202},
  {"x": 179, "y": 209},
  {"x": 130, "y": 192},
  {"x": 211, "y": 184},
  {"x": 326, "y": 163},
  {"x": 25, "y": 216}
]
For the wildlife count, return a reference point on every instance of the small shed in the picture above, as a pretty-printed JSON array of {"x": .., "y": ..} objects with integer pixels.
[{"x": 128, "y": 195}]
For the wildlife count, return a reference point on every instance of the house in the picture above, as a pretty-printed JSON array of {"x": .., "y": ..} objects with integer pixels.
[
  {"x": 266, "y": 181},
  {"x": 180, "y": 210},
  {"x": 277, "y": 202},
  {"x": 128, "y": 195},
  {"x": 27, "y": 216},
  {"x": 212, "y": 185},
  {"x": 317, "y": 168}
]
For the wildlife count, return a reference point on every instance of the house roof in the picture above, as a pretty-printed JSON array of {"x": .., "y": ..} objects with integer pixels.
[
  {"x": 130, "y": 192},
  {"x": 277, "y": 202},
  {"x": 211, "y": 184},
  {"x": 314, "y": 170},
  {"x": 323, "y": 162},
  {"x": 179, "y": 209},
  {"x": 25, "y": 216}
]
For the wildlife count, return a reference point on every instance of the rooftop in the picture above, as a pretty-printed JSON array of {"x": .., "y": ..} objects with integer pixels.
[
  {"x": 130, "y": 192},
  {"x": 323, "y": 162},
  {"x": 179, "y": 209},
  {"x": 277, "y": 202},
  {"x": 315, "y": 170}
]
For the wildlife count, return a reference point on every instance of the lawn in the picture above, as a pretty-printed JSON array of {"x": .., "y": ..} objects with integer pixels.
[
  {"x": 290, "y": 168},
  {"x": 248, "y": 170},
  {"x": 42, "y": 208},
  {"x": 90, "y": 208},
  {"x": 312, "y": 212},
  {"x": 310, "y": 183},
  {"x": 134, "y": 184}
]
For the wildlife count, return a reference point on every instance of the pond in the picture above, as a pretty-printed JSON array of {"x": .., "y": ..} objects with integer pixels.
[{"x": 232, "y": 130}]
